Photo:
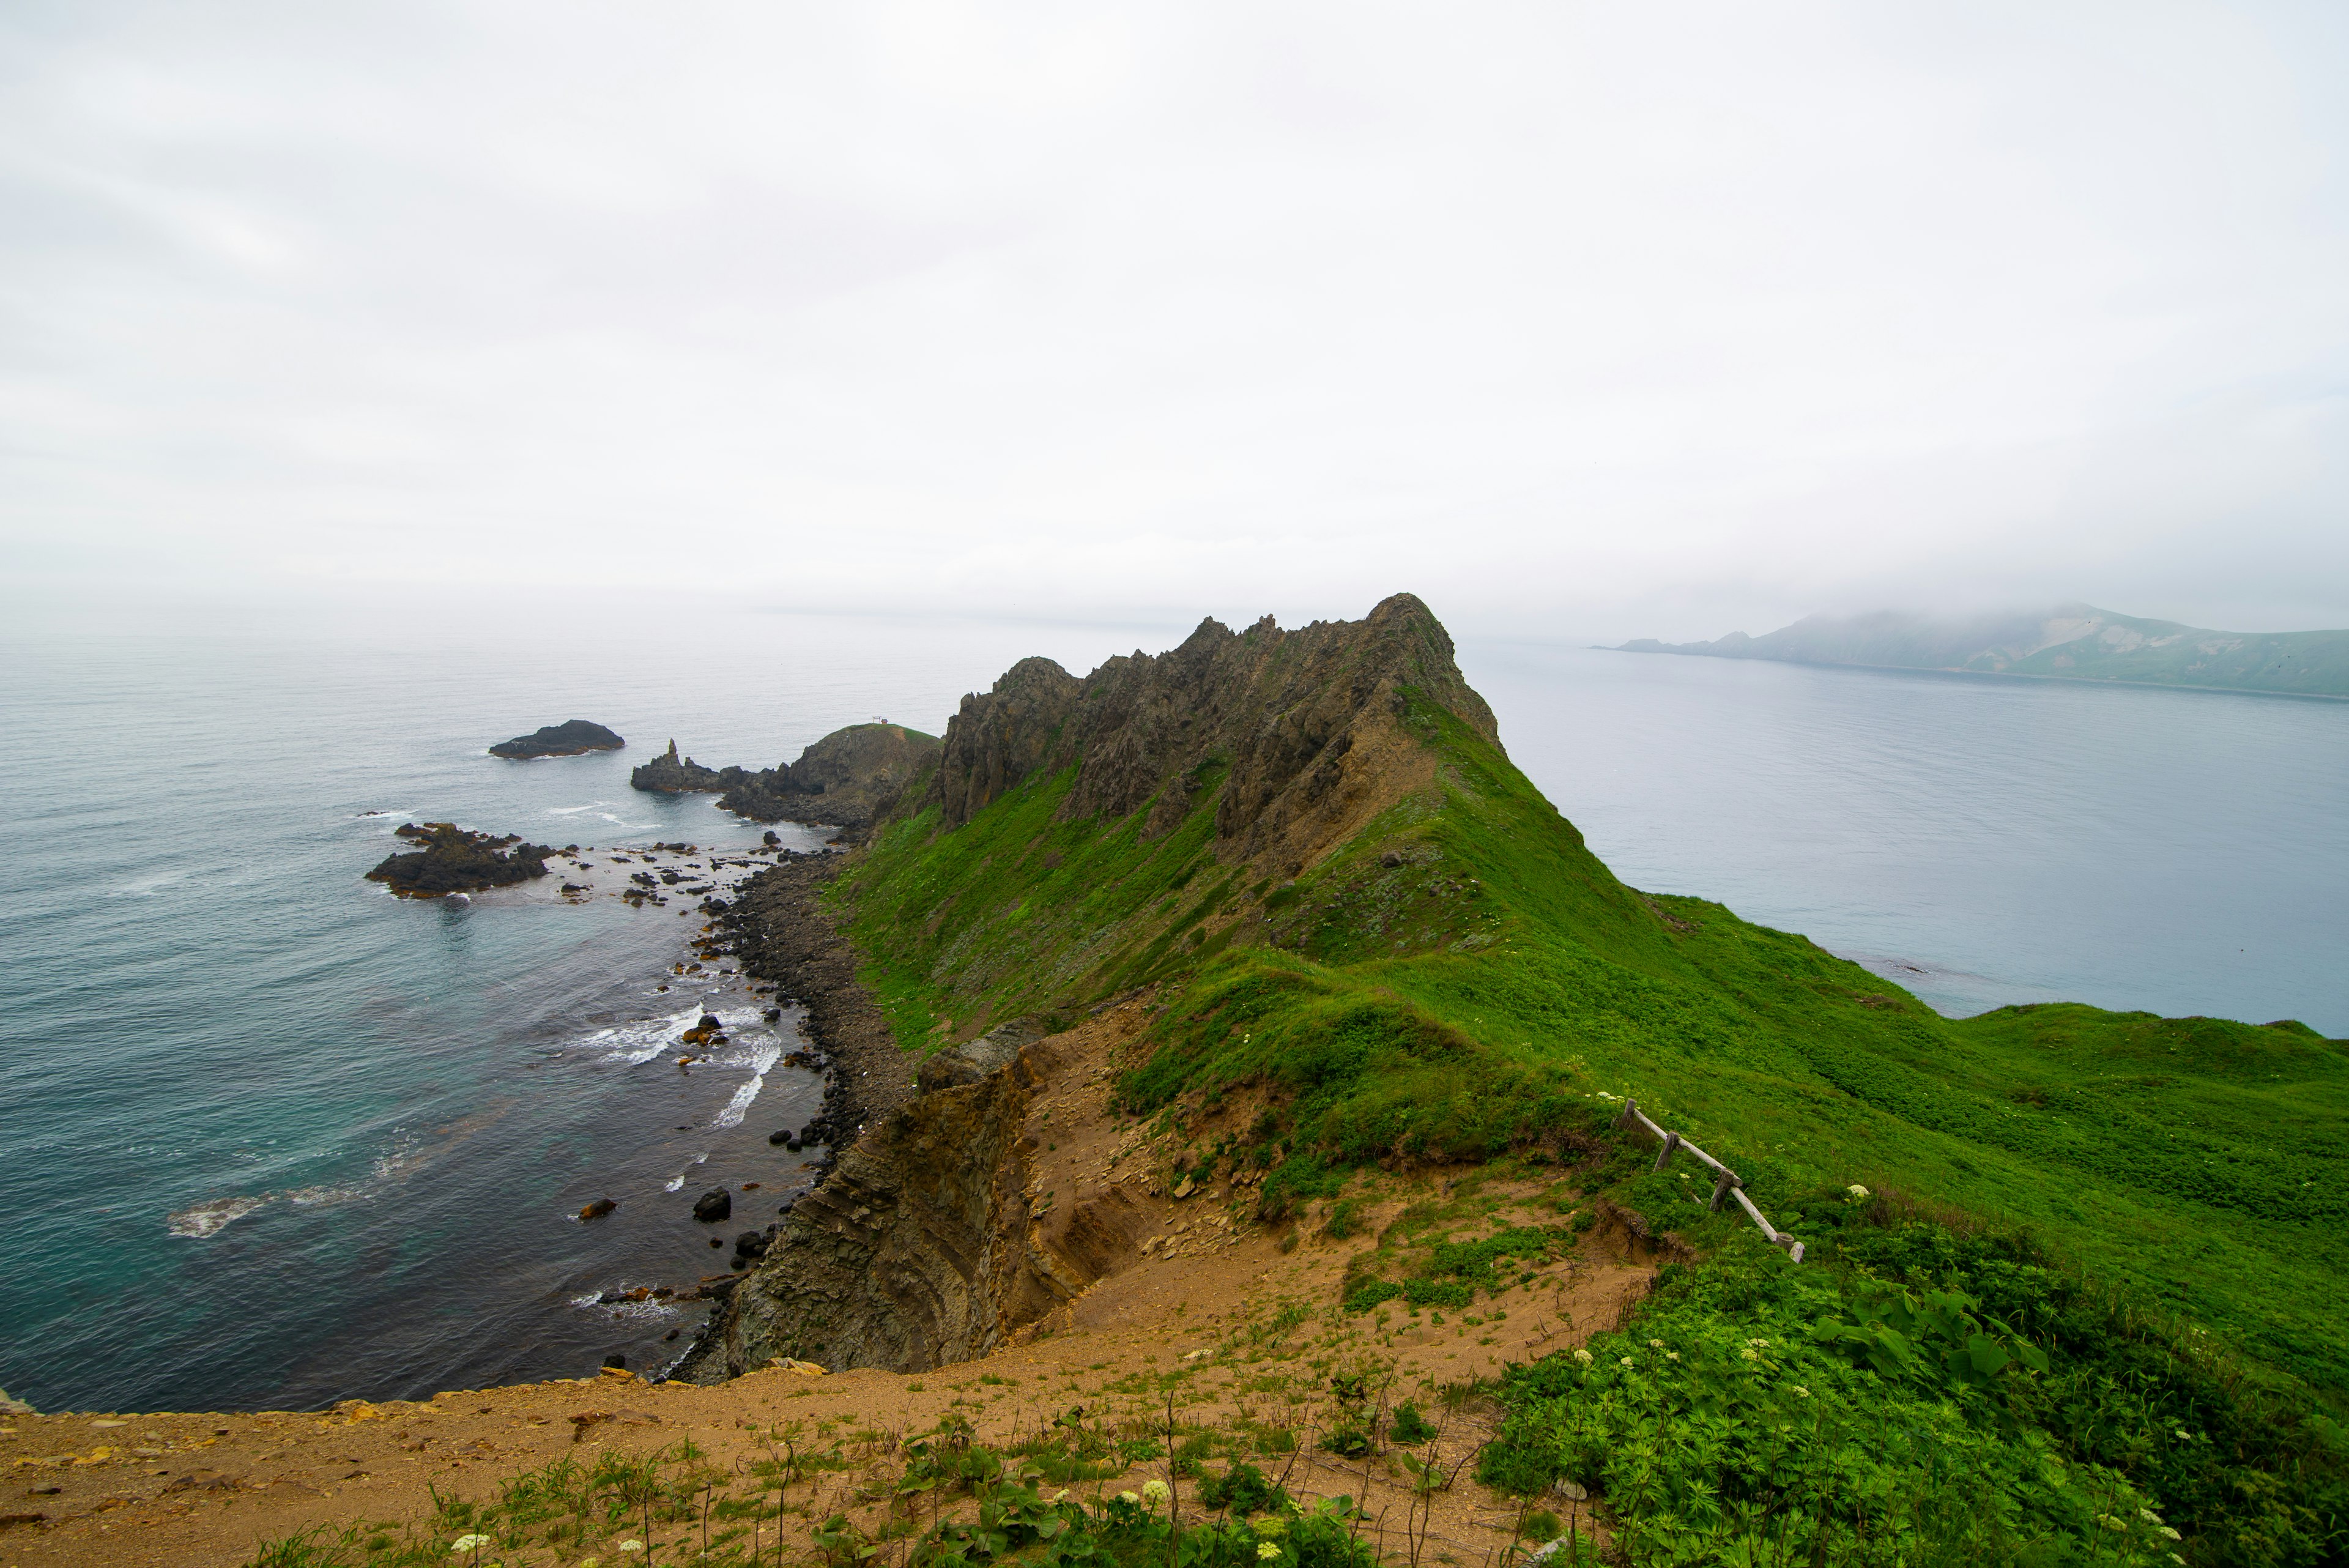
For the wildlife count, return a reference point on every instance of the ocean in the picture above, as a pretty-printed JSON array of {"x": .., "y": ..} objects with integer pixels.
[{"x": 271, "y": 1138}]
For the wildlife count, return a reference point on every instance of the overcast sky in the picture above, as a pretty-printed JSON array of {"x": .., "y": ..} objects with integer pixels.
[{"x": 1587, "y": 320}]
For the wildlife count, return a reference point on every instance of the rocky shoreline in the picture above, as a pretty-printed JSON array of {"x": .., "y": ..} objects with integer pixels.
[{"x": 777, "y": 929}]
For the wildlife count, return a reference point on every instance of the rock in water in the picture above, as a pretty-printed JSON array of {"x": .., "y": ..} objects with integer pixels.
[
  {"x": 670, "y": 775},
  {"x": 454, "y": 860},
  {"x": 597, "y": 1210},
  {"x": 567, "y": 739},
  {"x": 713, "y": 1206}
]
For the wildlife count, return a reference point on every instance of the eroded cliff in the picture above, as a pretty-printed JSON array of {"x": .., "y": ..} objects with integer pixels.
[{"x": 1308, "y": 720}]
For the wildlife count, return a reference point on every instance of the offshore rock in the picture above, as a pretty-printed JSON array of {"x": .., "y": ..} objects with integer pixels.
[
  {"x": 567, "y": 740},
  {"x": 1311, "y": 722},
  {"x": 670, "y": 774},
  {"x": 454, "y": 860}
]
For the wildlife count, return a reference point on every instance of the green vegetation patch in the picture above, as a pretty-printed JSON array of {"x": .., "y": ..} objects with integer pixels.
[{"x": 1918, "y": 1395}]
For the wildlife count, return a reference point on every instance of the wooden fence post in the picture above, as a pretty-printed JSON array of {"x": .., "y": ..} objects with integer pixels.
[
  {"x": 1721, "y": 1186},
  {"x": 1664, "y": 1154}
]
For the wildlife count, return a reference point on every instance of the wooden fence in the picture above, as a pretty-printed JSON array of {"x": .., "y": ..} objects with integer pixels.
[{"x": 1726, "y": 1183}]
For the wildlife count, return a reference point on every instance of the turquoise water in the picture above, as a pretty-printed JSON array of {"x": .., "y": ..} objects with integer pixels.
[{"x": 269, "y": 1136}]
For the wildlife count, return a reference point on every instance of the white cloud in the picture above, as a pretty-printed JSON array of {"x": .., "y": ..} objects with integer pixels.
[{"x": 1599, "y": 320}]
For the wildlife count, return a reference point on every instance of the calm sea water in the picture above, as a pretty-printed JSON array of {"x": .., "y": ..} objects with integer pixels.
[{"x": 269, "y": 1136}]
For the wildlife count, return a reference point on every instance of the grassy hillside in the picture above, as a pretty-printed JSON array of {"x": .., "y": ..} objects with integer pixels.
[
  {"x": 2071, "y": 643},
  {"x": 1443, "y": 1005},
  {"x": 2162, "y": 1204}
]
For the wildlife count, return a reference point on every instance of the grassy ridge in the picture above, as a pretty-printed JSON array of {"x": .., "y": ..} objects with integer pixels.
[{"x": 1449, "y": 981}]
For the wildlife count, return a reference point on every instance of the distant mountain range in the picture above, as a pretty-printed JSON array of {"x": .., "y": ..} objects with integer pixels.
[{"x": 2070, "y": 642}]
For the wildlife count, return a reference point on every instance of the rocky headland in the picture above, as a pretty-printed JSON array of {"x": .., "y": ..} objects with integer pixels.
[
  {"x": 456, "y": 860},
  {"x": 848, "y": 778},
  {"x": 920, "y": 1248},
  {"x": 1215, "y": 1048},
  {"x": 571, "y": 739}
]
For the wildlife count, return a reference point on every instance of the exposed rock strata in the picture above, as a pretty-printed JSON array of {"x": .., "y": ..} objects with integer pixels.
[
  {"x": 922, "y": 1247},
  {"x": 567, "y": 740},
  {"x": 1310, "y": 720},
  {"x": 454, "y": 860}
]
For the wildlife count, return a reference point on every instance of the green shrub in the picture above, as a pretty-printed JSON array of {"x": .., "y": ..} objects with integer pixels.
[{"x": 1437, "y": 1293}]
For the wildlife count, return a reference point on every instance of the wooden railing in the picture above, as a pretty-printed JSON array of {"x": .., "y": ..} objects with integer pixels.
[{"x": 1726, "y": 1183}]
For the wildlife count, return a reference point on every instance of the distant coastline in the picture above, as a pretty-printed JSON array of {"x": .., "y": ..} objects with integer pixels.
[{"x": 2075, "y": 643}]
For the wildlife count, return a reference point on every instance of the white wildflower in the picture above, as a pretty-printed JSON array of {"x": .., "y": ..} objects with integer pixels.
[
  {"x": 469, "y": 1544},
  {"x": 1857, "y": 1191},
  {"x": 1672, "y": 1355},
  {"x": 1750, "y": 1353},
  {"x": 1800, "y": 1392},
  {"x": 1655, "y": 1344},
  {"x": 1627, "y": 1361},
  {"x": 1584, "y": 1356},
  {"x": 1155, "y": 1491},
  {"x": 1128, "y": 1496},
  {"x": 632, "y": 1547}
]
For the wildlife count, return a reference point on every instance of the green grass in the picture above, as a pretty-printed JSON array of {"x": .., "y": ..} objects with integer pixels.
[
  {"x": 1464, "y": 978},
  {"x": 1480, "y": 994}
]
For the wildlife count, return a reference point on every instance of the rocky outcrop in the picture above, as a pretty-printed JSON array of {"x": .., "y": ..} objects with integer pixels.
[
  {"x": 848, "y": 778},
  {"x": 670, "y": 775},
  {"x": 920, "y": 1246},
  {"x": 1309, "y": 721},
  {"x": 454, "y": 860},
  {"x": 565, "y": 740},
  {"x": 918, "y": 1250}
]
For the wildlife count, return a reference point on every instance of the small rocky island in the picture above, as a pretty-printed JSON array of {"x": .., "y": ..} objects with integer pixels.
[
  {"x": 567, "y": 739},
  {"x": 844, "y": 780},
  {"x": 454, "y": 860}
]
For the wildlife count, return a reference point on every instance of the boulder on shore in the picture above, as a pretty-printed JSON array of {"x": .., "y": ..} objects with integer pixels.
[
  {"x": 454, "y": 860},
  {"x": 713, "y": 1206},
  {"x": 567, "y": 740}
]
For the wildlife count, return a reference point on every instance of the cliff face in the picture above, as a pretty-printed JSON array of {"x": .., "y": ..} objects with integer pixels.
[
  {"x": 1309, "y": 721},
  {"x": 920, "y": 1249}
]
